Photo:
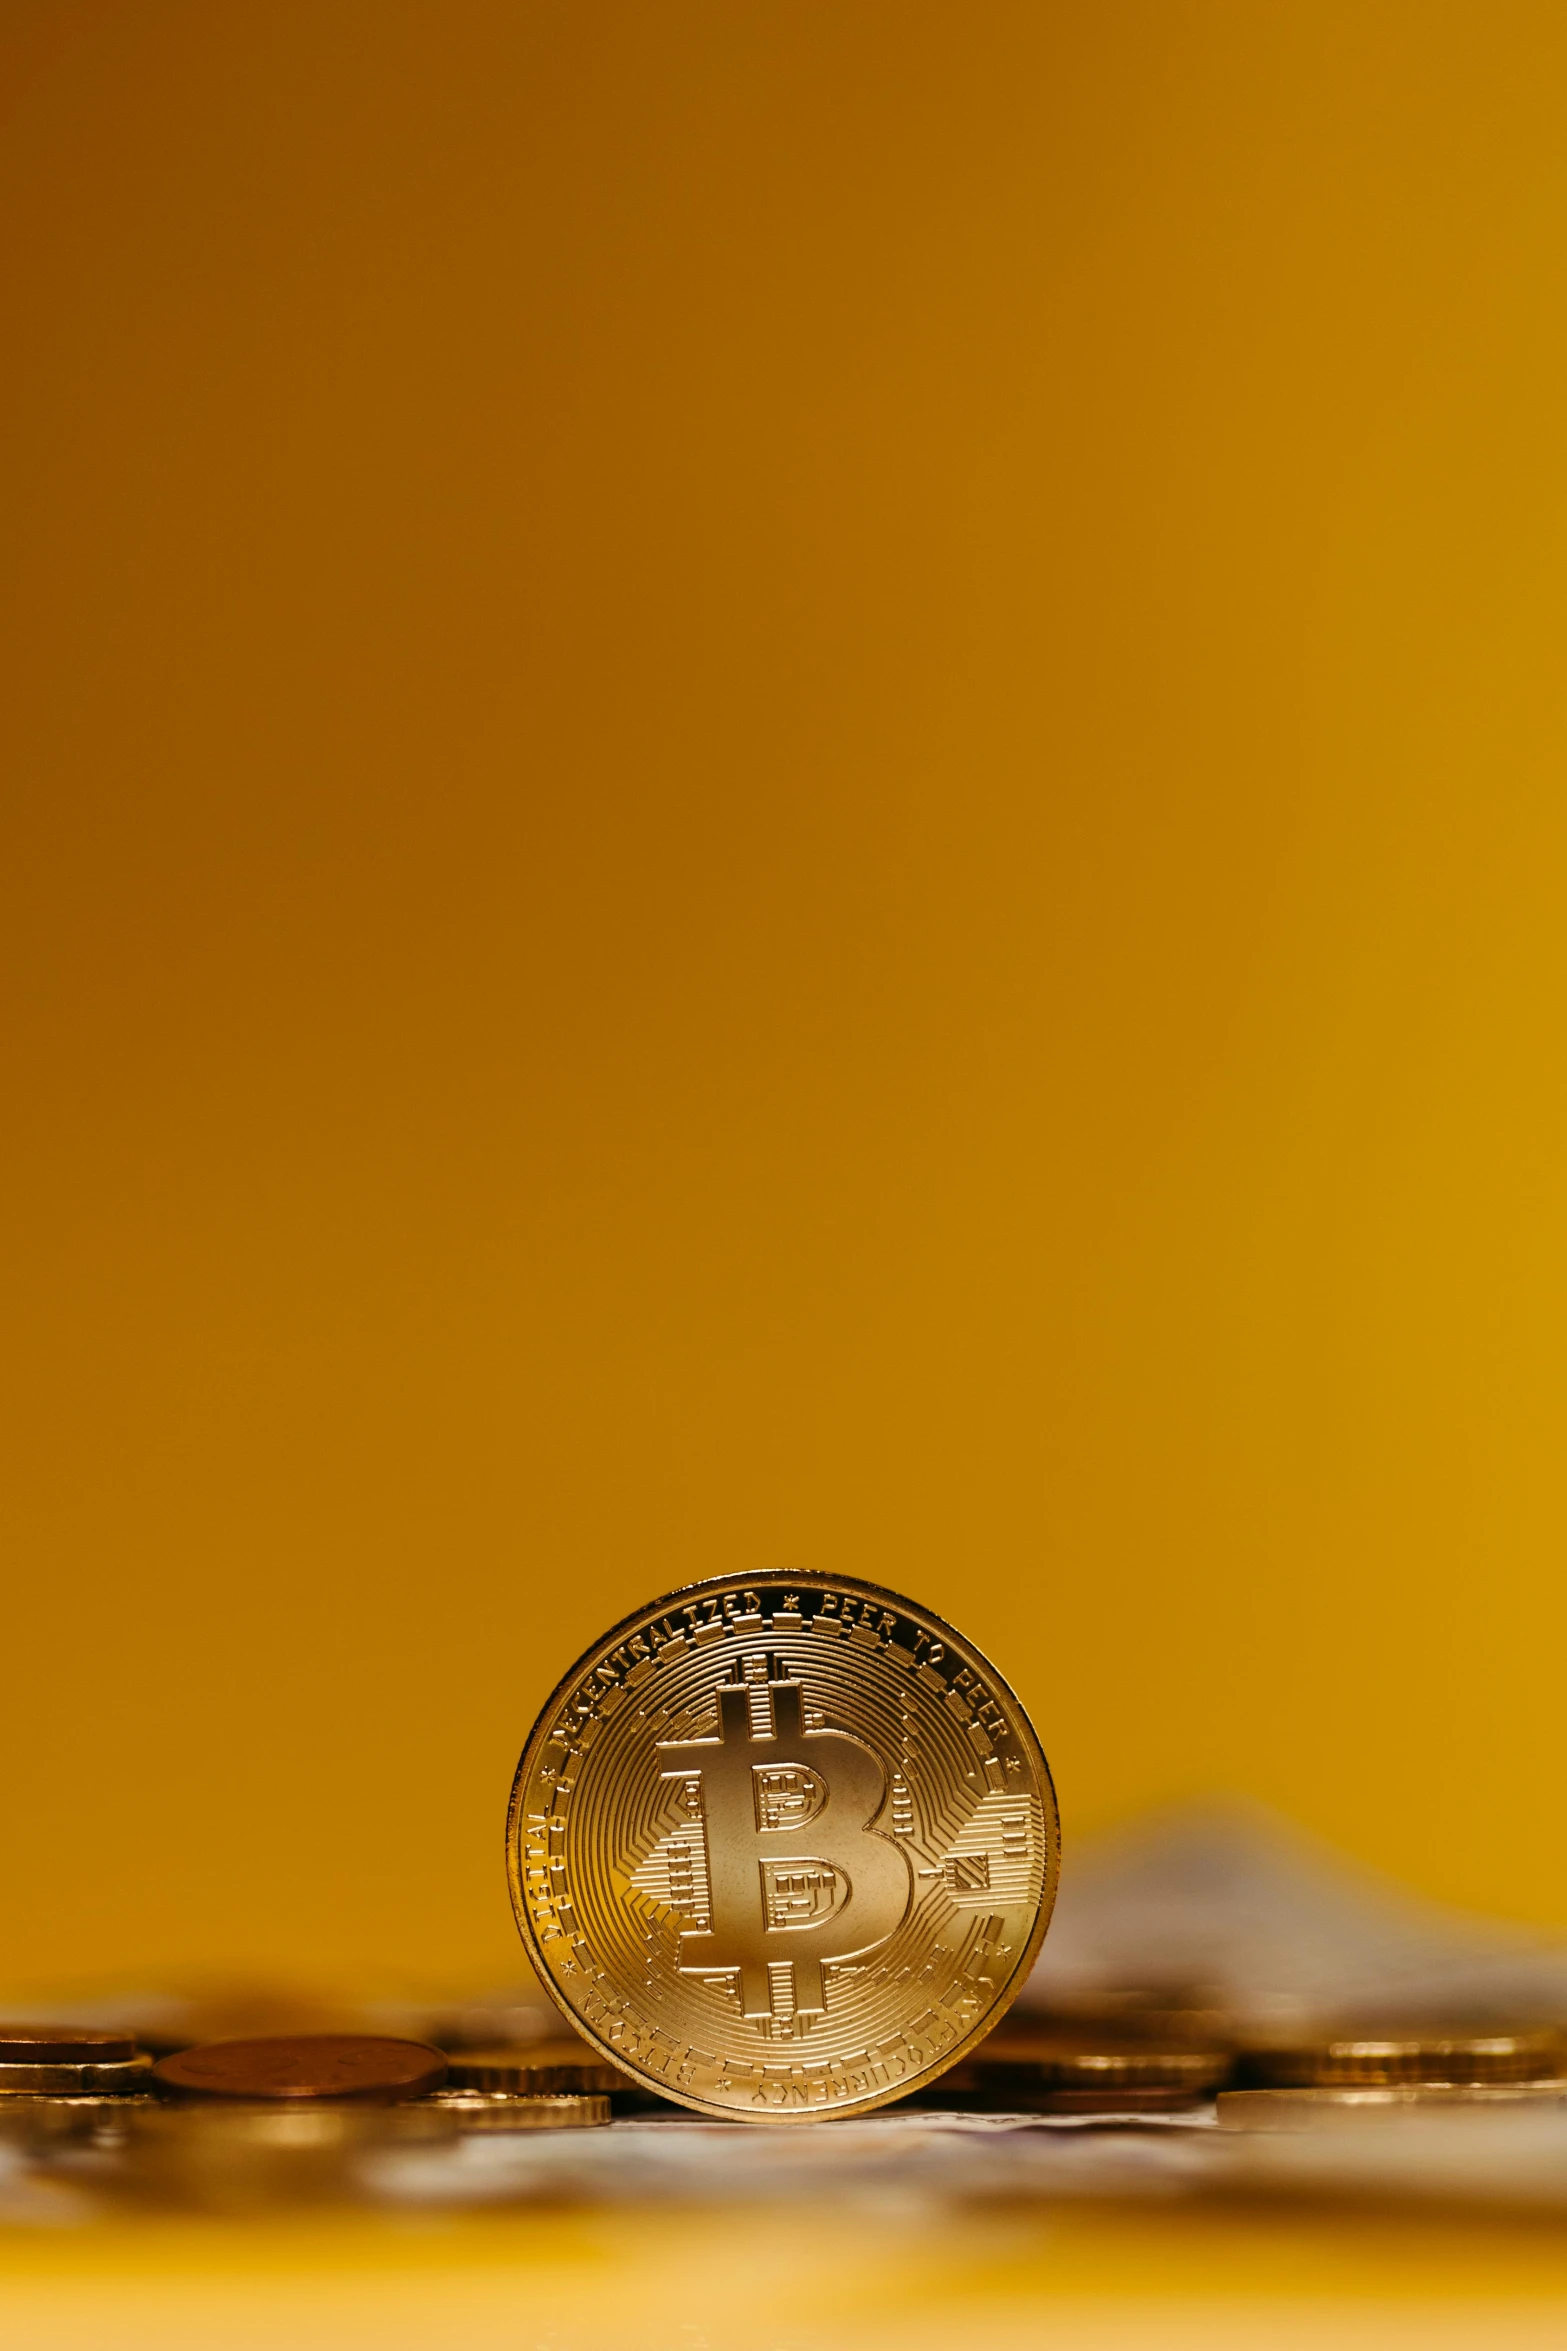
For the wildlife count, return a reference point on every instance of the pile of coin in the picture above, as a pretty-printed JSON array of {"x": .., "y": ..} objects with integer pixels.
[
  {"x": 1033, "y": 2067},
  {"x": 66, "y": 2081},
  {"x": 277, "y": 2118},
  {"x": 564, "y": 2078},
  {"x": 65, "y": 2060},
  {"x": 779, "y": 1851},
  {"x": 1348, "y": 2076},
  {"x": 327, "y": 2069}
]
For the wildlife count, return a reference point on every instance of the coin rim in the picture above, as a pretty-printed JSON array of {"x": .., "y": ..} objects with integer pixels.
[
  {"x": 89, "y": 2076},
  {"x": 545, "y": 2075},
  {"x": 89, "y": 2045},
  {"x": 1348, "y": 2061},
  {"x": 543, "y": 2109},
  {"x": 1138, "y": 2068},
  {"x": 813, "y": 1581},
  {"x": 174, "y": 2086}
]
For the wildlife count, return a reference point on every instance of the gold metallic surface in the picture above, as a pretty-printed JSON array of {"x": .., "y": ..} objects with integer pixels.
[
  {"x": 1369, "y": 2062},
  {"x": 784, "y": 1847}
]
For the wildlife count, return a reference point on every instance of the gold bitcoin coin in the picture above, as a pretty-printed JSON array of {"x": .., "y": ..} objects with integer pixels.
[{"x": 784, "y": 1848}]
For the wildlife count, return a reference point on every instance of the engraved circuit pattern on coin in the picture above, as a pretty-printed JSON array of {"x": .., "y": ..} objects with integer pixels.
[{"x": 783, "y": 1848}]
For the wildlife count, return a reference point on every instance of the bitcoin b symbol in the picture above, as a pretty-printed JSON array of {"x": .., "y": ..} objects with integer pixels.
[{"x": 796, "y": 1874}]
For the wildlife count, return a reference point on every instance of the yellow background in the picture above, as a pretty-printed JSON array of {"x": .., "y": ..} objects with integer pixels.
[{"x": 785, "y": 786}]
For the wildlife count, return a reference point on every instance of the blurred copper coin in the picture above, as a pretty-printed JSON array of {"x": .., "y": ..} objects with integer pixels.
[
  {"x": 1371, "y": 2062},
  {"x": 62, "y": 2044},
  {"x": 562, "y": 2067},
  {"x": 1015, "y": 2060},
  {"x": 305, "y": 2065},
  {"x": 1166, "y": 2016}
]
